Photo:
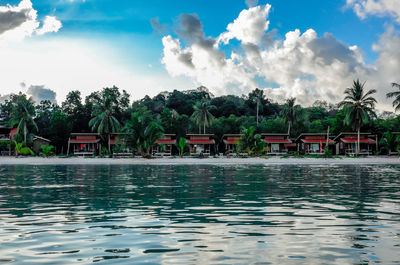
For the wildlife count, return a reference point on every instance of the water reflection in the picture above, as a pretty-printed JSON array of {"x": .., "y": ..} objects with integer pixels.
[{"x": 200, "y": 214}]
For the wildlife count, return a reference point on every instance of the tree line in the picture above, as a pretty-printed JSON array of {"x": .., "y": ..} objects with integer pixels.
[{"x": 111, "y": 110}]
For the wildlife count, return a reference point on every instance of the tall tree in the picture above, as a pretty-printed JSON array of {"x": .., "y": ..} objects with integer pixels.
[
  {"x": 104, "y": 121},
  {"x": 142, "y": 132},
  {"x": 396, "y": 96},
  {"x": 22, "y": 115},
  {"x": 358, "y": 106},
  {"x": 202, "y": 115},
  {"x": 290, "y": 112}
]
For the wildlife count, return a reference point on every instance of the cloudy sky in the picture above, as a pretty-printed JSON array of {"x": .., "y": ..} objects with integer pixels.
[{"x": 307, "y": 49}]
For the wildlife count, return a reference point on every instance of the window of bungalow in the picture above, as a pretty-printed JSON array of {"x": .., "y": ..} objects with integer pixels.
[
  {"x": 315, "y": 147},
  {"x": 274, "y": 148}
]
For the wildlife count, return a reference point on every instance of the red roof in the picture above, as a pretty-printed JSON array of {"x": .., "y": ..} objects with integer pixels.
[
  {"x": 195, "y": 141},
  {"x": 277, "y": 141},
  {"x": 166, "y": 141},
  {"x": 351, "y": 140},
  {"x": 230, "y": 141},
  {"x": 290, "y": 144},
  {"x": 84, "y": 141},
  {"x": 316, "y": 141}
]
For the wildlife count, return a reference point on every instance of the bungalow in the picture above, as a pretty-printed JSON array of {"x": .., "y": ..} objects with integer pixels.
[
  {"x": 5, "y": 140},
  {"x": 200, "y": 143},
  {"x": 84, "y": 143},
  {"x": 164, "y": 145},
  {"x": 116, "y": 142},
  {"x": 314, "y": 143},
  {"x": 347, "y": 143},
  {"x": 277, "y": 143},
  {"x": 38, "y": 142},
  {"x": 231, "y": 142}
]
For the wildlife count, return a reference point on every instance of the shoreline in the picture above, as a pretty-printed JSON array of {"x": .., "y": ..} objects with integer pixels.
[{"x": 372, "y": 160}]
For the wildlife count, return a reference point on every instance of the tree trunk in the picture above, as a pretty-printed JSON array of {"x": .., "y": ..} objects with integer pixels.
[
  {"x": 25, "y": 133},
  {"x": 199, "y": 129},
  {"x": 289, "y": 128},
  {"x": 358, "y": 140},
  {"x": 258, "y": 103},
  {"x": 204, "y": 128}
]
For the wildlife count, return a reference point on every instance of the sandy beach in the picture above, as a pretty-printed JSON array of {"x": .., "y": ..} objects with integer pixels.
[{"x": 196, "y": 161}]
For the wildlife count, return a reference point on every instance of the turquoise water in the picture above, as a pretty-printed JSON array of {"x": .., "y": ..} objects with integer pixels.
[{"x": 200, "y": 214}]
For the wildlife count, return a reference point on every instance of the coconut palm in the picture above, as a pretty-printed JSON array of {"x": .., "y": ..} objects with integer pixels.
[
  {"x": 251, "y": 142},
  {"x": 390, "y": 141},
  {"x": 358, "y": 106},
  {"x": 142, "y": 133},
  {"x": 396, "y": 96},
  {"x": 22, "y": 115},
  {"x": 290, "y": 112},
  {"x": 104, "y": 122},
  {"x": 202, "y": 115}
]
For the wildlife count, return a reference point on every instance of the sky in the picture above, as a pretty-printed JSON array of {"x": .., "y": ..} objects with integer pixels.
[{"x": 310, "y": 49}]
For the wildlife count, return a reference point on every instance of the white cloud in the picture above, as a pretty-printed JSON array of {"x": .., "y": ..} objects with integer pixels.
[
  {"x": 50, "y": 24},
  {"x": 249, "y": 27},
  {"x": 376, "y": 8},
  {"x": 19, "y": 22},
  {"x": 305, "y": 65}
]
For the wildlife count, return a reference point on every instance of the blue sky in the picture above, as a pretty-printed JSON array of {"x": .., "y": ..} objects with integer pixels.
[{"x": 119, "y": 35}]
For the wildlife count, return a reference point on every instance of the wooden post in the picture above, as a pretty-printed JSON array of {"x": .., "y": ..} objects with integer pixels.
[
  {"x": 327, "y": 139},
  {"x": 69, "y": 139}
]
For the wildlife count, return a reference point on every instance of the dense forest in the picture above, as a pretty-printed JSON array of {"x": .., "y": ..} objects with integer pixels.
[{"x": 194, "y": 111}]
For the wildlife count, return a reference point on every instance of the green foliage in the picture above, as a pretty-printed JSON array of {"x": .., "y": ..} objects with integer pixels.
[
  {"x": 327, "y": 153},
  {"x": 396, "y": 96},
  {"x": 181, "y": 145},
  {"x": 104, "y": 121},
  {"x": 20, "y": 149},
  {"x": 22, "y": 114},
  {"x": 142, "y": 132},
  {"x": 358, "y": 106},
  {"x": 250, "y": 142},
  {"x": 202, "y": 115},
  {"x": 390, "y": 142},
  {"x": 47, "y": 151}
]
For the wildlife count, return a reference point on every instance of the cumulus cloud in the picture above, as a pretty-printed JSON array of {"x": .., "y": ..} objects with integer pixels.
[
  {"x": 376, "y": 7},
  {"x": 19, "y": 22},
  {"x": 50, "y": 24},
  {"x": 40, "y": 93},
  {"x": 302, "y": 65}
]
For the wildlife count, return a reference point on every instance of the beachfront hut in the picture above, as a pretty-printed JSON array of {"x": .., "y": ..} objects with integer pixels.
[
  {"x": 277, "y": 143},
  {"x": 200, "y": 143},
  {"x": 5, "y": 140},
  {"x": 347, "y": 143},
  {"x": 164, "y": 145},
  {"x": 84, "y": 144},
  {"x": 231, "y": 142},
  {"x": 314, "y": 143},
  {"x": 38, "y": 142},
  {"x": 116, "y": 145}
]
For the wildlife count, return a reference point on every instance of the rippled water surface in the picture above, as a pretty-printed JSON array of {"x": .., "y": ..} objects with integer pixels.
[{"x": 200, "y": 214}]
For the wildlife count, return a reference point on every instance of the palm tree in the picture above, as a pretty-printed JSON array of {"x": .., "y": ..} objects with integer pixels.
[
  {"x": 396, "y": 96},
  {"x": 201, "y": 114},
  {"x": 104, "y": 122},
  {"x": 142, "y": 133},
  {"x": 289, "y": 112},
  {"x": 251, "y": 142},
  {"x": 390, "y": 142},
  {"x": 358, "y": 106},
  {"x": 22, "y": 115}
]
